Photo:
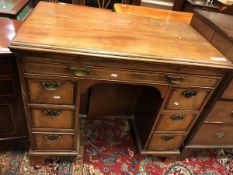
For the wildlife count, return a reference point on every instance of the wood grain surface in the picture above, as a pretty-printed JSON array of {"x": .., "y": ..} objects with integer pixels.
[{"x": 168, "y": 15}]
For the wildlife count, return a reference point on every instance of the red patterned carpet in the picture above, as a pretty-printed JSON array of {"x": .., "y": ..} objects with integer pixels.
[{"x": 109, "y": 149}]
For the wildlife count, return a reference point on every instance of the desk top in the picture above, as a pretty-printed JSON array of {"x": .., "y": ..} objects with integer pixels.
[
  {"x": 8, "y": 30},
  {"x": 168, "y": 15},
  {"x": 90, "y": 31}
]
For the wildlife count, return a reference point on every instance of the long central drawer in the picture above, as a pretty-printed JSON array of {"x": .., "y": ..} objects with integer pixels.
[{"x": 103, "y": 73}]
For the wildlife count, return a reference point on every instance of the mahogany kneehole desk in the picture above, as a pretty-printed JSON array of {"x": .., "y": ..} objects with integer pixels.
[{"x": 73, "y": 59}]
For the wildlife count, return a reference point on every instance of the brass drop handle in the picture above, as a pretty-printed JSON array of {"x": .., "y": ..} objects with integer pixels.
[
  {"x": 52, "y": 137},
  {"x": 51, "y": 86},
  {"x": 189, "y": 93},
  {"x": 174, "y": 79},
  {"x": 80, "y": 72},
  {"x": 177, "y": 117},
  {"x": 167, "y": 137},
  {"x": 220, "y": 134},
  {"x": 51, "y": 113},
  {"x": 231, "y": 113}
]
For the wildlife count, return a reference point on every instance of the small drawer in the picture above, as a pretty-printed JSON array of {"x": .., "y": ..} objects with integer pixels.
[
  {"x": 55, "y": 141},
  {"x": 52, "y": 118},
  {"x": 174, "y": 122},
  {"x": 187, "y": 99},
  {"x": 213, "y": 134},
  {"x": 48, "y": 68},
  {"x": 228, "y": 93},
  {"x": 222, "y": 43},
  {"x": 82, "y": 71},
  {"x": 51, "y": 91},
  {"x": 222, "y": 111},
  {"x": 165, "y": 142}
]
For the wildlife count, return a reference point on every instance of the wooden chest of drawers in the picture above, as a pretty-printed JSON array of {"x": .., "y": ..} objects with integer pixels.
[
  {"x": 164, "y": 92},
  {"x": 215, "y": 127},
  {"x": 216, "y": 130}
]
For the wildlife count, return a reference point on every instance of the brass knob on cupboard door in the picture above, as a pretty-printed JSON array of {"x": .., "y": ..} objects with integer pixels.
[
  {"x": 80, "y": 71},
  {"x": 174, "y": 79},
  {"x": 52, "y": 137},
  {"x": 51, "y": 85},
  {"x": 51, "y": 113},
  {"x": 231, "y": 113}
]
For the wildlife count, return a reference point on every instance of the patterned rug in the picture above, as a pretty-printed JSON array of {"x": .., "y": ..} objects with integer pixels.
[{"x": 109, "y": 149}]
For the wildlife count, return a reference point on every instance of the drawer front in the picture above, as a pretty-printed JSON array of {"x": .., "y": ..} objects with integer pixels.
[
  {"x": 186, "y": 99},
  {"x": 213, "y": 134},
  {"x": 81, "y": 71},
  {"x": 51, "y": 91},
  {"x": 174, "y": 122},
  {"x": 52, "y": 118},
  {"x": 228, "y": 93},
  {"x": 157, "y": 77},
  {"x": 223, "y": 44},
  {"x": 222, "y": 111},
  {"x": 165, "y": 142},
  {"x": 47, "y": 68},
  {"x": 54, "y": 141}
]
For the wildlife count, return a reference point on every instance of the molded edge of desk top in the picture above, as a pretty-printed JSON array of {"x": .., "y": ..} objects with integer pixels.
[
  {"x": 118, "y": 56},
  {"x": 121, "y": 37}
]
